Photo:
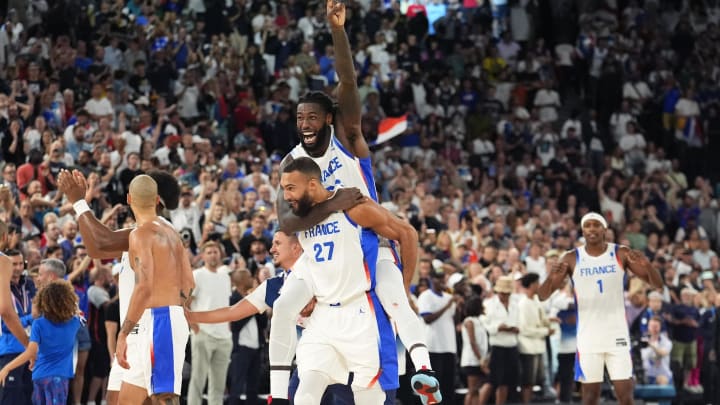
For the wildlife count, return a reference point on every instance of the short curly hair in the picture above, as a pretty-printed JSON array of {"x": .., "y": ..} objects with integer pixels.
[{"x": 57, "y": 301}]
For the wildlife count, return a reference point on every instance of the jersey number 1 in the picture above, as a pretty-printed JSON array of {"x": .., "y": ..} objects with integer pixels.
[
  {"x": 600, "y": 286},
  {"x": 322, "y": 254}
]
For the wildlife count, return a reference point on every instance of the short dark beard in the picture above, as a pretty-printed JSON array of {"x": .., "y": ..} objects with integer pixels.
[
  {"x": 321, "y": 144},
  {"x": 304, "y": 205}
]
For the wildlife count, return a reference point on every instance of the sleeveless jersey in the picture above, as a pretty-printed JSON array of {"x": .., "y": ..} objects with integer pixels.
[
  {"x": 598, "y": 284},
  {"x": 126, "y": 285},
  {"x": 340, "y": 168},
  {"x": 340, "y": 259}
]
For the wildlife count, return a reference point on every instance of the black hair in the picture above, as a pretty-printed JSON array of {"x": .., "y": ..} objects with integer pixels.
[
  {"x": 528, "y": 279},
  {"x": 168, "y": 188},
  {"x": 474, "y": 306},
  {"x": 12, "y": 252},
  {"x": 321, "y": 99},
  {"x": 304, "y": 165},
  {"x": 52, "y": 249}
]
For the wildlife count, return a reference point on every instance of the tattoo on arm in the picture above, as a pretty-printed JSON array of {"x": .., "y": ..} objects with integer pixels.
[
  {"x": 128, "y": 326},
  {"x": 184, "y": 297}
]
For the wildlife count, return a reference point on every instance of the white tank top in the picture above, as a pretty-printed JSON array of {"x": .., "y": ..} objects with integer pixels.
[
  {"x": 598, "y": 284},
  {"x": 340, "y": 168},
  {"x": 467, "y": 356},
  {"x": 126, "y": 285},
  {"x": 333, "y": 251}
]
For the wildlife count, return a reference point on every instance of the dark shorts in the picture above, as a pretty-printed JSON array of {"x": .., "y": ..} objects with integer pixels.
[
  {"x": 473, "y": 371},
  {"x": 504, "y": 366},
  {"x": 50, "y": 391},
  {"x": 99, "y": 360},
  {"x": 83, "y": 339},
  {"x": 531, "y": 367}
]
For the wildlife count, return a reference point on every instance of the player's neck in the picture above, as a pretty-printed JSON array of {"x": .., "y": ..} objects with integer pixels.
[
  {"x": 323, "y": 195},
  {"x": 144, "y": 215},
  {"x": 596, "y": 249}
]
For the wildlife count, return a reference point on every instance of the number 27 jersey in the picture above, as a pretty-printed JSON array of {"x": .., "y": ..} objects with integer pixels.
[
  {"x": 598, "y": 282},
  {"x": 339, "y": 259}
]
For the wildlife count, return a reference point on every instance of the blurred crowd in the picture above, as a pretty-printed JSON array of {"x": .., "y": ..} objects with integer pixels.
[{"x": 523, "y": 115}]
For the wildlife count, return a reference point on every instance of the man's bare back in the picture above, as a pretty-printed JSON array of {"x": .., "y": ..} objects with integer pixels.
[{"x": 157, "y": 252}]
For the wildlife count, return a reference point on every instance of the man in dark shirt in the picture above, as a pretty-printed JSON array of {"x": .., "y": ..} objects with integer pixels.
[{"x": 683, "y": 320}]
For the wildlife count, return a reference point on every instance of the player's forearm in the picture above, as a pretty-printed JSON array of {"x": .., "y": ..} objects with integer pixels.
[
  {"x": 12, "y": 322},
  {"x": 138, "y": 303},
  {"x": 291, "y": 223},
  {"x": 101, "y": 241},
  {"x": 408, "y": 255},
  {"x": 546, "y": 289},
  {"x": 343, "y": 56},
  {"x": 23, "y": 358},
  {"x": 240, "y": 310}
]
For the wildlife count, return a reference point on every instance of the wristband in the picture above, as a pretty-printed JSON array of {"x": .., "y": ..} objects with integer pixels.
[{"x": 80, "y": 208}]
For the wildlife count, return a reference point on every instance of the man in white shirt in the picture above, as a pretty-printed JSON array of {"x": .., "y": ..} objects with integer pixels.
[
  {"x": 501, "y": 322},
  {"x": 437, "y": 309},
  {"x": 547, "y": 100},
  {"x": 211, "y": 345},
  {"x": 535, "y": 262},
  {"x": 187, "y": 214},
  {"x": 534, "y": 327},
  {"x": 99, "y": 106}
]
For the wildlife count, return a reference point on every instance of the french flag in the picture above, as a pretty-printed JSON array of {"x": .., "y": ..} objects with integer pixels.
[{"x": 389, "y": 128}]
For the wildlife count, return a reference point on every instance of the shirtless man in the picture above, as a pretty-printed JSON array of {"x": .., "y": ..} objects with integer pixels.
[
  {"x": 105, "y": 243},
  {"x": 7, "y": 309},
  {"x": 163, "y": 282}
]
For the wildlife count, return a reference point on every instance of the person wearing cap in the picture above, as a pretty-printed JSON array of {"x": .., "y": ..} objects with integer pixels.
[
  {"x": 598, "y": 270},
  {"x": 501, "y": 321}
]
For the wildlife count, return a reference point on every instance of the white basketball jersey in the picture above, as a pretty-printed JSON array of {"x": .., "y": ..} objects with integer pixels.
[
  {"x": 334, "y": 262},
  {"x": 598, "y": 283},
  {"x": 126, "y": 285},
  {"x": 340, "y": 168}
]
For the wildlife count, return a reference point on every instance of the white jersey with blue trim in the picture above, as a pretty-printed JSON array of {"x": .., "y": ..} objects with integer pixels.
[
  {"x": 340, "y": 168},
  {"x": 599, "y": 295},
  {"x": 334, "y": 260}
]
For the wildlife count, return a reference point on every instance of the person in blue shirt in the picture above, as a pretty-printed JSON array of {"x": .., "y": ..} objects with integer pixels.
[
  {"x": 51, "y": 344},
  {"x": 18, "y": 390}
]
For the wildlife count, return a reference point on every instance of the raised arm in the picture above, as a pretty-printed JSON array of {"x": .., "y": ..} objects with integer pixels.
[
  {"x": 371, "y": 215},
  {"x": 349, "y": 113},
  {"x": 101, "y": 241},
  {"x": 640, "y": 266},
  {"x": 556, "y": 279},
  {"x": 7, "y": 309}
]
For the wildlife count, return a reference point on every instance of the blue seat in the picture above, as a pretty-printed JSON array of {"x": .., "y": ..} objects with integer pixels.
[{"x": 656, "y": 393}]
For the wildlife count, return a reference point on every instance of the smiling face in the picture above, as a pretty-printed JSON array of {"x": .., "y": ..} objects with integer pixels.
[
  {"x": 593, "y": 231},
  {"x": 313, "y": 124},
  {"x": 284, "y": 250},
  {"x": 297, "y": 189}
]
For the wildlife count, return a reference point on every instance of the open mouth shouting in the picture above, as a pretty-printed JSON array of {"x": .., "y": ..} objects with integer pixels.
[{"x": 309, "y": 137}]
